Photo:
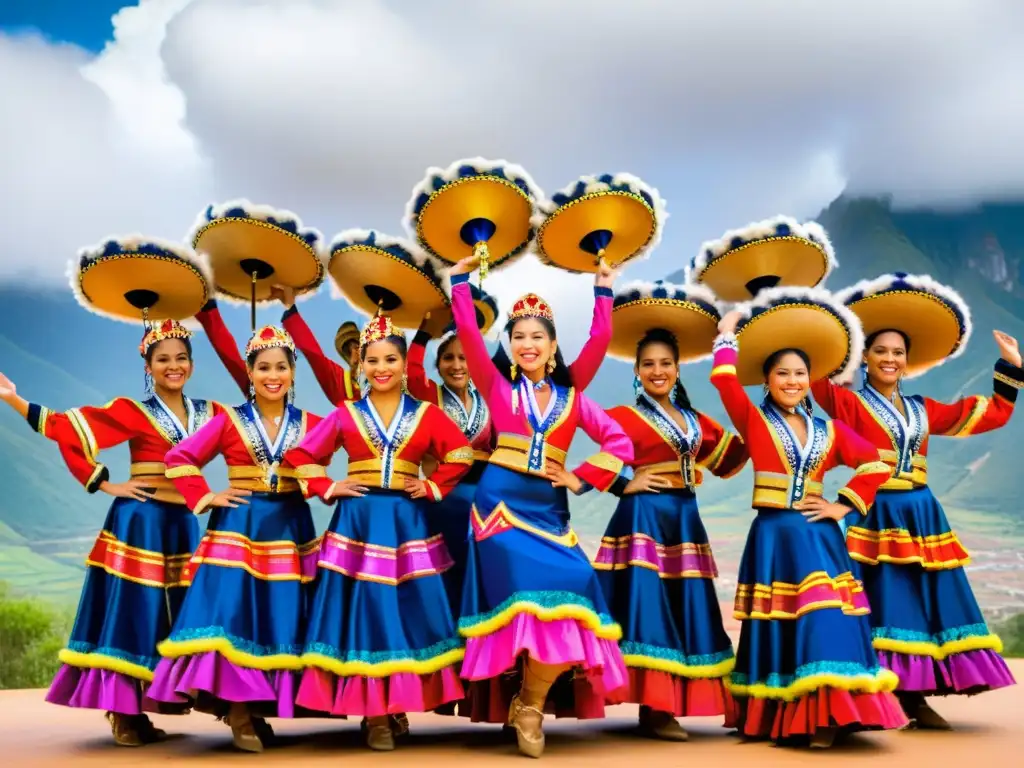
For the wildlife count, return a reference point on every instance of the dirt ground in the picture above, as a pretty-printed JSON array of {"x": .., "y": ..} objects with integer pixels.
[{"x": 988, "y": 733}]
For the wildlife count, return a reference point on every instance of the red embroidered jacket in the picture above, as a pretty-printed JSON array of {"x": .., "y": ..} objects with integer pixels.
[
  {"x": 784, "y": 471},
  {"x": 379, "y": 455},
  {"x": 253, "y": 459},
  {"x": 902, "y": 440},
  {"x": 660, "y": 446},
  {"x": 149, "y": 427}
]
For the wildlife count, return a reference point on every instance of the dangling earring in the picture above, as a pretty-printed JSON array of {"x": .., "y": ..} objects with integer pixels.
[
  {"x": 638, "y": 387},
  {"x": 766, "y": 390},
  {"x": 291, "y": 394},
  {"x": 252, "y": 391},
  {"x": 405, "y": 382},
  {"x": 148, "y": 383},
  {"x": 514, "y": 369},
  {"x": 551, "y": 365}
]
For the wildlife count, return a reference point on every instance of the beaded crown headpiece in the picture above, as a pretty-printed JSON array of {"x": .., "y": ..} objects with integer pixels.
[
  {"x": 379, "y": 328},
  {"x": 531, "y": 305},
  {"x": 269, "y": 337},
  {"x": 167, "y": 329}
]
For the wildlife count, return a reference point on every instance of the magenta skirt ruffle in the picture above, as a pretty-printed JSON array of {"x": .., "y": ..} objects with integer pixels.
[
  {"x": 968, "y": 673},
  {"x": 87, "y": 688},
  {"x": 186, "y": 678},
  {"x": 491, "y": 662},
  {"x": 323, "y": 691}
]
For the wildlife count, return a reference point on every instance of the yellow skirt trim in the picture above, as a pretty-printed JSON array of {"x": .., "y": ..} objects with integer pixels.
[
  {"x": 708, "y": 671},
  {"x": 384, "y": 668},
  {"x": 99, "y": 661},
  {"x": 939, "y": 652},
  {"x": 884, "y": 681},
  {"x": 584, "y": 616},
  {"x": 173, "y": 649}
]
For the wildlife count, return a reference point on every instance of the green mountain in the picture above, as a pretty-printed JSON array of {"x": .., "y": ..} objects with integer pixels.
[{"x": 47, "y": 522}]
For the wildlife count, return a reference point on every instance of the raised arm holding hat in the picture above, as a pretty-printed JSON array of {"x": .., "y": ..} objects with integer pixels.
[{"x": 805, "y": 667}]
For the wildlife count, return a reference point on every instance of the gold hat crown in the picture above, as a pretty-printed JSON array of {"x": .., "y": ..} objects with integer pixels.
[
  {"x": 379, "y": 328},
  {"x": 531, "y": 305},
  {"x": 168, "y": 329},
  {"x": 269, "y": 337}
]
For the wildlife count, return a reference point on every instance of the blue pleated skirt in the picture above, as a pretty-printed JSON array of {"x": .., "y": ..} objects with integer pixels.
[
  {"x": 238, "y": 637},
  {"x": 805, "y": 659},
  {"x": 133, "y": 591},
  {"x": 926, "y": 624},
  {"x": 381, "y": 638},
  {"x": 530, "y": 590},
  {"x": 657, "y": 572}
]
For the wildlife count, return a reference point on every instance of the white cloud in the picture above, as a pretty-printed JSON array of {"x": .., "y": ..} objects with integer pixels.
[{"x": 736, "y": 110}]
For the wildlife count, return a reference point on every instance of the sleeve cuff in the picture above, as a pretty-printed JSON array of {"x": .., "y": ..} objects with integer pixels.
[
  {"x": 36, "y": 417},
  {"x": 459, "y": 279},
  {"x": 211, "y": 304},
  {"x": 422, "y": 338},
  {"x": 1007, "y": 380},
  {"x": 603, "y": 291},
  {"x": 725, "y": 341},
  {"x": 99, "y": 476},
  {"x": 849, "y": 498},
  {"x": 291, "y": 311},
  {"x": 203, "y": 505}
]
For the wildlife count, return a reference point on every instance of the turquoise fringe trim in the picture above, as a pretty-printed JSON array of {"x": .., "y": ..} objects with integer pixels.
[
  {"x": 382, "y": 657},
  {"x": 946, "y": 636},
  {"x": 839, "y": 668},
  {"x": 630, "y": 648},
  {"x": 149, "y": 662},
  {"x": 238, "y": 643}
]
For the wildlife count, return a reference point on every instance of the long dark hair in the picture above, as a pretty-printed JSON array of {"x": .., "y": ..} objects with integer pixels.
[
  {"x": 773, "y": 359},
  {"x": 679, "y": 395},
  {"x": 503, "y": 362}
]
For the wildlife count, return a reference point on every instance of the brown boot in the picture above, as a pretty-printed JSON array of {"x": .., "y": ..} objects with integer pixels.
[
  {"x": 124, "y": 731},
  {"x": 528, "y": 723},
  {"x": 148, "y": 732},
  {"x": 824, "y": 738},
  {"x": 379, "y": 735},
  {"x": 243, "y": 730},
  {"x": 661, "y": 725}
]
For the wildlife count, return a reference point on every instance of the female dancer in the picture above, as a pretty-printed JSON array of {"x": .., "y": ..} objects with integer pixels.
[
  {"x": 655, "y": 563},
  {"x": 134, "y": 583},
  {"x": 235, "y": 646},
  {"x": 464, "y": 404},
  {"x": 381, "y": 638},
  {"x": 530, "y": 589},
  {"x": 926, "y": 623},
  {"x": 804, "y": 666}
]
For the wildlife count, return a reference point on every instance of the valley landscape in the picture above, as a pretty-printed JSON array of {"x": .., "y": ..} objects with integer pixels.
[{"x": 47, "y": 523}]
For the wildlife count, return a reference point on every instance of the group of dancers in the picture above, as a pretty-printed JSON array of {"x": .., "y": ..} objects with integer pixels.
[{"x": 450, "y": 578}]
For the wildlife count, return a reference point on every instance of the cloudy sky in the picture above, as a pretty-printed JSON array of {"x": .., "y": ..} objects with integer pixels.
[{"x": 735, "y": 110}]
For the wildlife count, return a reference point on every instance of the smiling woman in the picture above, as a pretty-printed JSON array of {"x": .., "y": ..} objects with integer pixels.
[
  {"x": 235, "y": 647},
  {"x": 381, "y": 638}
]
